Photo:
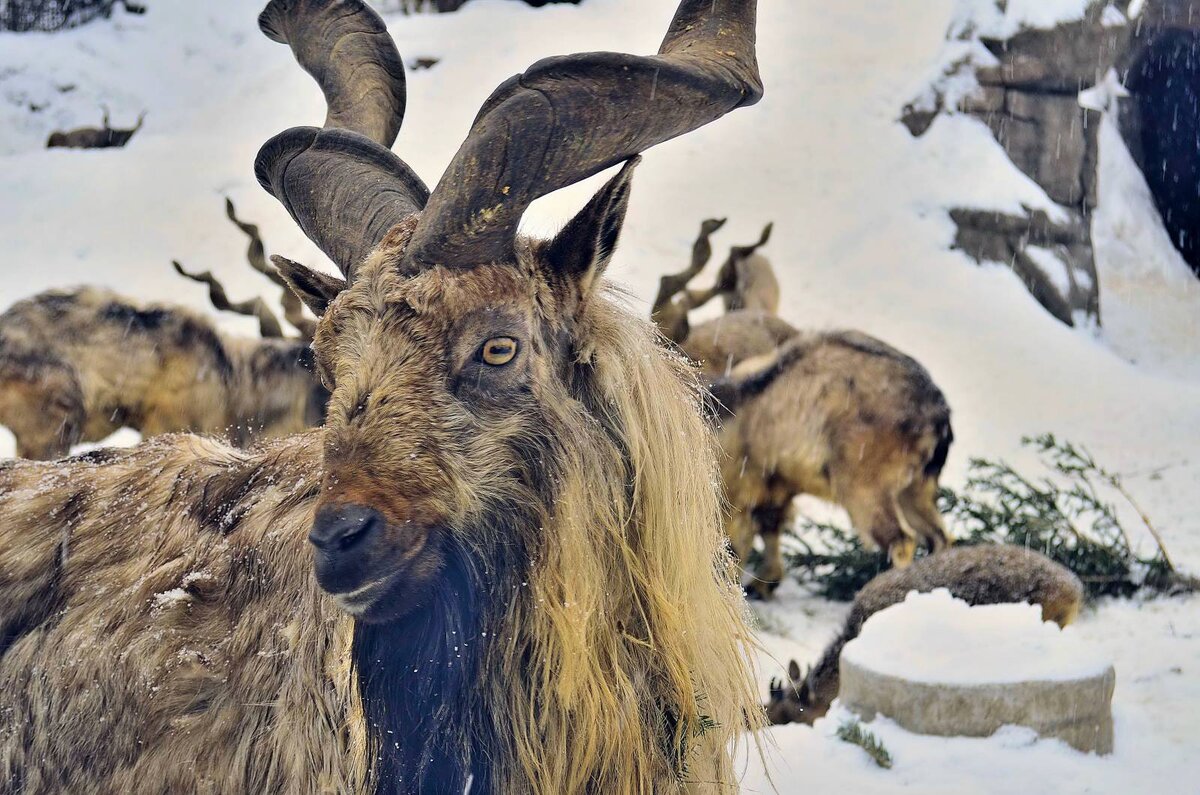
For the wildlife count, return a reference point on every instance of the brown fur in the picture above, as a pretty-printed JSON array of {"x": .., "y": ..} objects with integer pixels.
[
  {"x": 979, "y": 575},
  {"x": 840, "y": 416},
  {"x": 721, "y": 344},
  {"x": 75, "y": 365},
  {"x": 580, "y": 484},
  {"x": 755, "y": 285}
]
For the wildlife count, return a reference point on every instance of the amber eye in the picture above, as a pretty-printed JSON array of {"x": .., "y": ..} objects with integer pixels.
[{"x": 499, "y": 350}]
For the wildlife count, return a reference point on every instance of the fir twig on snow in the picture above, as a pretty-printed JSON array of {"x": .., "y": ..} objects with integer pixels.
[
  {"x": 852, "y": 732},
  {"x": 1065, "y": 518}
]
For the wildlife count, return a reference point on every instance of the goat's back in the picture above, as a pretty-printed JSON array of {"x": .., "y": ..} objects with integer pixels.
[
  {"x": 979, "y": 575},
  {"x": 982, "y": 574},
  {"x": 721, "y": 344},
  {"x": 826, "y": 403},
  {"x": 129, "y": 360},
  {"x": 160, "y": 626}
]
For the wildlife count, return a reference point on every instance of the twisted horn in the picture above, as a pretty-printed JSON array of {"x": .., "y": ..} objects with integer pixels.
[
  {"x": 342, "y": 185},
  {"x": 570, "y": 117},
  {"x": 726, "y": 282},
  {"x": 346, "y": 48},
  {"x": 256, "y": 255},
  {"x": 268, "y": 324},
  {"x": 343, "y": 189}
]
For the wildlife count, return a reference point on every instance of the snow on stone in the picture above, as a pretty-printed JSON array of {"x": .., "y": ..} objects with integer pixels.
[
  {"x": 935, "y": 638},
  {"x": 1103, "y": 96},
  {"x": 1052, "y": 265},
  {"x": 1112, "y": 17},
  {"x": 1001, "y": 19}
]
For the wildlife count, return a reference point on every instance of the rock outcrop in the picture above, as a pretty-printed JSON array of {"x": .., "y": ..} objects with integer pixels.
[{"x": 1025, "y": 85}]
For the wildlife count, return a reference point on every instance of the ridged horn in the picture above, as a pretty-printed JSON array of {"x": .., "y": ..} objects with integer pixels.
[
  {"x": 342, "y": 184},
  {"x": 570, "y": 117},
  {"x": 346, "y": 48}
]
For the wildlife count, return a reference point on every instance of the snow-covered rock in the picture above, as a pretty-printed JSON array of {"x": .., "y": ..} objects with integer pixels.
[{"x": 936, "y": 665}]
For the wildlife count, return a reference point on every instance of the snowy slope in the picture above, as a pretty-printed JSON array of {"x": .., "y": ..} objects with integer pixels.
[{"x": 861, "y": 240}]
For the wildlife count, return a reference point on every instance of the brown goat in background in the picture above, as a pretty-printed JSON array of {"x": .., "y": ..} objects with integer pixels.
[
  {"x": 979, "y": 575},
  {"x": 838, "y": 415},
  {"x": 841, "y": 416},
  {"x": 105, "y": 137},
  {"x": 511, "y": 501},
  {"x": 76, "y": 365},
  {"x": 745, "y": 280}
]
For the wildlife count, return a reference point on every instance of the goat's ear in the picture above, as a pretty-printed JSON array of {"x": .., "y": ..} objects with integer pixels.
[
  {"x": 794, "y": 671},
  {"x": 582, "y": 250},
  {"x": 317, "y": 290}
]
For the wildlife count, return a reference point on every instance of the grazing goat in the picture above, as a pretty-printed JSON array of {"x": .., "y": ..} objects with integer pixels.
[
  {"x": 838, "y": 415},
  {"x": 979, "y": 575},
  {"x": 76, "y": 365},
  {"x": 105, "y": 137},
  {"x": 510, "y": 510},
  {"x": 841, "y": 416}
]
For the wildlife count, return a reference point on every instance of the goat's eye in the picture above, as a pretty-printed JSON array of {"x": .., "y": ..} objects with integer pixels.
[{"x": 498, "y": 351}]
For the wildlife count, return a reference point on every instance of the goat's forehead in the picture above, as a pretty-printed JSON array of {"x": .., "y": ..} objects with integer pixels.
[{"x": 444, "y": 296}]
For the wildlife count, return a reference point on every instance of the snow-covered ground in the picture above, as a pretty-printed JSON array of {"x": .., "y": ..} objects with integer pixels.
[{"x": 861, "y": 240}]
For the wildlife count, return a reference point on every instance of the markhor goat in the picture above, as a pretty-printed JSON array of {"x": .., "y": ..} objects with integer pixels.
[
  {"x": 510, "y": 509},
  {"x": 979, "y": 575},
  {"x": 841, "y": 416},
  {"x": 106, "y": 137},
  {"x": 75, "y": 365},
  {"x": 838, "y": 415}
]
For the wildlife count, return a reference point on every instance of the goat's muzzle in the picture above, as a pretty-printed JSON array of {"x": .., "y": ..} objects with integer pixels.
[{"x": 356, "y": 560}]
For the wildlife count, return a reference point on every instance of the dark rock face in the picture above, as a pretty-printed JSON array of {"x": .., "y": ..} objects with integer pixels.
[
  {"x": 1162, "y": 125},
  {"x": 1053, "y": 260}
]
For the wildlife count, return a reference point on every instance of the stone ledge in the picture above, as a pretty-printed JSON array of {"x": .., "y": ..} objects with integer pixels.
[{"x": 1079, "y": 712}]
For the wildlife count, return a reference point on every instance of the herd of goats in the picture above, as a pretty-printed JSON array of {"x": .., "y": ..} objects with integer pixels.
[{"x": 466, "y": 532}]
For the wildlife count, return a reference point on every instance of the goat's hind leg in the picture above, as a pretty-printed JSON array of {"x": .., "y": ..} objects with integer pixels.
[
  {"x": 918, "y": 505},
  {"x": 770, "y": 521},
  {"x": 742, "y": 529}
]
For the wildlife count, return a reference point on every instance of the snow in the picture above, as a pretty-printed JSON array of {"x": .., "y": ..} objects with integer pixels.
[
  {"x": 1112, "y": 17},
  {"x": 935, "y": 638},
  {"x": 1149, "y": 298},
  {"x": 169, "y": 598},
  {"x": 1002, "y": 19},
  {"x": 1155, "y": 650},
  {"x": 121, "y": 437},
  {"x": 862, "y": 240},
  {"x": 1052, "y": 265}
]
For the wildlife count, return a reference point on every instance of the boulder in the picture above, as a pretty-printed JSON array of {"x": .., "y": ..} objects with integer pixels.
[{"x": 936, "y": 665}]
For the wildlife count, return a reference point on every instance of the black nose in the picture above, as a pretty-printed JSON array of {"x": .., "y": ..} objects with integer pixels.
[{"x": 341, "y": 528}]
